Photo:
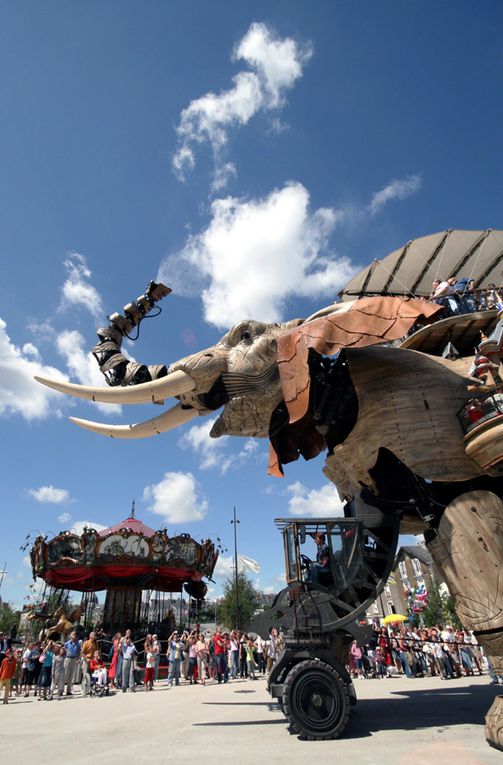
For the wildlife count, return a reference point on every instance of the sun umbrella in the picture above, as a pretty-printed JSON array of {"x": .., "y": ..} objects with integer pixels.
[{"x": 394, "y": 618}]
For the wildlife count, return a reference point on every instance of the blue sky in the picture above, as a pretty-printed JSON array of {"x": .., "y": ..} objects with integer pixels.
[{"x": 253, "y": 156}]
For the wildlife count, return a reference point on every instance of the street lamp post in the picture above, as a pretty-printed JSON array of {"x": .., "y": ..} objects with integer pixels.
[
  {"x": 236, "y": 584},
  {"x": 2, "y": 574}
]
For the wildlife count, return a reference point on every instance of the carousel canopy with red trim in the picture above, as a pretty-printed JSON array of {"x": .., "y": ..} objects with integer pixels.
[{"x": 126, "y": 555}]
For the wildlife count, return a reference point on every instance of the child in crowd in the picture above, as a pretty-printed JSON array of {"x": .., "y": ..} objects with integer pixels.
[
  {"x": 7, "y": 672},
  {"x": 151, "y": 657},
  {"x": 58, "y": 671},
  {"x": 250, "y": 659}
]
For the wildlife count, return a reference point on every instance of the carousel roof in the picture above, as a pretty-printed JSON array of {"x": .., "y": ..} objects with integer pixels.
[
  {"x": 130, "y": 524},
  {"x": 411, "y": 269},
  {"x": 128, "y": 554}
]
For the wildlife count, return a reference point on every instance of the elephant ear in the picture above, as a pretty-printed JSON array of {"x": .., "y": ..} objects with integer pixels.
[{"x": 356, "y": 324}]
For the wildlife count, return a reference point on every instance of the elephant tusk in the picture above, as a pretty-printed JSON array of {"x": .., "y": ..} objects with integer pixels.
[
  {"x": 173, "y": 418},
  {"x": 174, "y": 384}
]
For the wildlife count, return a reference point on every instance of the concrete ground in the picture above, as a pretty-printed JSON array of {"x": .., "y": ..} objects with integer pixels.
[{"x": 396, "y": 721}]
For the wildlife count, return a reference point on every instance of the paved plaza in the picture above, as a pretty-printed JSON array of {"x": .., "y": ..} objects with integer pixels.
[{"x": 397, "y": 721}]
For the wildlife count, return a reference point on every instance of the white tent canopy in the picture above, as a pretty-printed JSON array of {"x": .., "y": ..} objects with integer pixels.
[{"x": 411, "y": 269}]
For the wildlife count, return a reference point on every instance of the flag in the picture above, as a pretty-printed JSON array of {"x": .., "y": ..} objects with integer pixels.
[{"x": 248, "y": 563}]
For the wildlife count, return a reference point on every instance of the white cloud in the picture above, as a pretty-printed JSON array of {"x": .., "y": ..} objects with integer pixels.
[
  {"x": 27, "y": 561},
  {"x": 50, "y": 495},
  {"x": 397, "y": 189},
  {"x": 255, "y": 254},
  {"x": 19, "y": 393},
  {"x": 210, "y": 450},
  {"x": 82, "y": 364},
  {"x": 78, "y": 526},
  {"x": 77, "y": 290},
  {"x": 313, "y": 503},
  {"x": 176, "y": 498},
  {"x": 213, "y": 452},
  {"x": 224, "y": 567},
  {"x": 274, "y": 65},
  {"x": 222, "y": 175},
  {"x": 64, "y": 518},
  {"x": 31, "y": 350},
  {"x": 277, "y": 126},
  {"x": 42, "y": 331}
]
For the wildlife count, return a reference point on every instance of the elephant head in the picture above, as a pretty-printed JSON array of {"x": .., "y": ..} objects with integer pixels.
[{"x": 259, "y": 373}]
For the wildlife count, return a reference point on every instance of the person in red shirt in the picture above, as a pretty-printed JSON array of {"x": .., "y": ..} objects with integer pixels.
[
  {"x": 98, "y": 669},
  {"x": 7, "y": 672},
  {"x": 220, "y": 650}
]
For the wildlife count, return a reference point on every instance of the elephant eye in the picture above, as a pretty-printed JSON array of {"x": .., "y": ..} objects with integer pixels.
[{"x": 246, "y": 334}]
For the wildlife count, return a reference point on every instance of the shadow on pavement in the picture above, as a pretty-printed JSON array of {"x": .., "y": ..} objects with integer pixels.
[
  {"x": 405, "y": 710},
  {"x": 415, "y": 709},
  {"x": 234, "y": 724},
  {"x": 270, "y": 704}
]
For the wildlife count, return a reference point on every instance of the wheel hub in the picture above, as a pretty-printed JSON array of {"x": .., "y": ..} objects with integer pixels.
[{"x": 316, "y": 700}]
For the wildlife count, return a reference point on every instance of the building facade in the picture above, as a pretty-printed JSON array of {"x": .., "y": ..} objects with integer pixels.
[{"x": 412, "y": 568}]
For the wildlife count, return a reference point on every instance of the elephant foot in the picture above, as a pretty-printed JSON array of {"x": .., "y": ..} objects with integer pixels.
[
  {"x": 468, "y": 552},
  {"x": 494, "y": 724}
]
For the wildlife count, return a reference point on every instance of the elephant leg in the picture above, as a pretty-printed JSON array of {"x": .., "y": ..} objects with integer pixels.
[{"x": 468, "y": 551}]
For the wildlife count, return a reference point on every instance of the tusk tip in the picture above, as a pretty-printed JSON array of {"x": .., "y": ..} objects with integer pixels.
[
  {"x": 43, "y": 380},
  {"x": 93, "y": 427}
]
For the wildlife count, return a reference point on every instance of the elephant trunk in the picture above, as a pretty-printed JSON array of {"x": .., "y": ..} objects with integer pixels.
[
  {"x": 117, "y": 369},
  {"x": 138, "y": 383}
]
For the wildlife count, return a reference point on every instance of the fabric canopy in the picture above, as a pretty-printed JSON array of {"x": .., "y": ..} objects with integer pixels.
[
  {"x": 87, "y": 579},
  {"x": 411, "y": 269}
]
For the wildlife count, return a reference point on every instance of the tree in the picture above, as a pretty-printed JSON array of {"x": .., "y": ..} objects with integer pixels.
[
  {"x": 8, "y": 617},
  {"x": 451, "y": 616},
  {"x": 248, "y": 601},
  {"x": 440, "y": 609},
  {"x": 206, "y": 612},
  {"x": 434, "y": 612}
]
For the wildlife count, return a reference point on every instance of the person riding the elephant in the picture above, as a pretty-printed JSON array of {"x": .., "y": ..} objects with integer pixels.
[{"x": 322, "y": 564}]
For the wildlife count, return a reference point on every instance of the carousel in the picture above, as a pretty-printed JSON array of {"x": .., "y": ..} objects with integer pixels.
[{"x": 137, "y": 567}]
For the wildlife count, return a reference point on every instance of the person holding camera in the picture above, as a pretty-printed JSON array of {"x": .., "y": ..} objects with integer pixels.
[
  {"x": 174, "y": 654},
  {"x": 129, "y": 653}
]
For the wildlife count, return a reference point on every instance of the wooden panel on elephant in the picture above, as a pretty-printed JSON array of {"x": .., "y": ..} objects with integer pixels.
[
  {"x": 370, "y": 320},
  {"x": 408, "y": 403},
  {"x": 494, "y": 724},
  {"x": 484, "y": 443},
  {"x": 468, "y": 550}
]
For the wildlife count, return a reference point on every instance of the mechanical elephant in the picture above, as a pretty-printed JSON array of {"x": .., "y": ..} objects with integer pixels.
[{"x": 338, "y": 382}]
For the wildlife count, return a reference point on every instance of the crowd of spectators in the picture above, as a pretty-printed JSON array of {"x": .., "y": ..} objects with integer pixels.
[
  {"x": 49, "y": 670},
  {"x": 419, "y": 652}
]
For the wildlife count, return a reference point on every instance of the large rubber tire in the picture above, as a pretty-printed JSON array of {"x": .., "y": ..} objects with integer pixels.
[{"x": 315, "y": 700}]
